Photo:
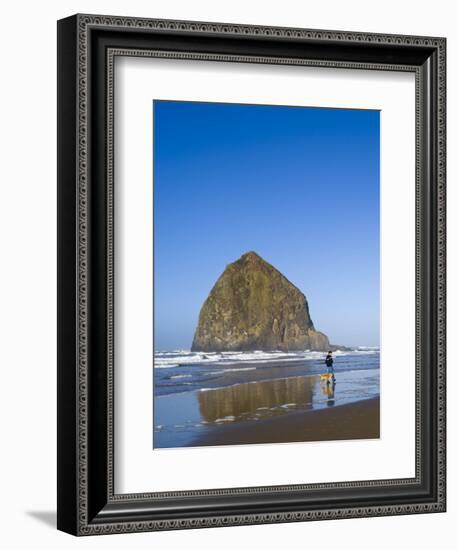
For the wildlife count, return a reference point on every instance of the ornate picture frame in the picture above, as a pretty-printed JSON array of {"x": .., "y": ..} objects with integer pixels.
[{"x": 87, "y": 501}]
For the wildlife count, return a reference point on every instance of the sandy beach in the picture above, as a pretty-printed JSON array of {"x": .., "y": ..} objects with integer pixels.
[
  {"x": 263, "y": 397},
  {"x": 359, "y": 420}
]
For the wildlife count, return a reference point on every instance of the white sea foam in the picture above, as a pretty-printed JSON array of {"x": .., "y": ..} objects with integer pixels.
[
  {"x": 239, "y": 369},
  {"x": 167, "y": 360},
  {"x": 178, "y": 358},
  {"x": 225, "y": 419}
]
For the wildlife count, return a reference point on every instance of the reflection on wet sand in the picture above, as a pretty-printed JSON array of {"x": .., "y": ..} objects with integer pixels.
[
  {"x": 242, "y": 400},
  {"x": 329, "y": 391}
]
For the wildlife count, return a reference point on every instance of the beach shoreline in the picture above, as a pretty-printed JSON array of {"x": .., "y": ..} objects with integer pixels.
[
  {"x": 357, "y": 420},
  {"x": 228, "y": 400}
]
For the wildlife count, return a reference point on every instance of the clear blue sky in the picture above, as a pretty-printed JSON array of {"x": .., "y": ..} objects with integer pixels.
[{"x": 298, "y": 185}]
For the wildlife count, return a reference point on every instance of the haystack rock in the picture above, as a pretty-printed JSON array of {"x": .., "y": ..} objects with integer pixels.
[{"x": 253, "y": 306}]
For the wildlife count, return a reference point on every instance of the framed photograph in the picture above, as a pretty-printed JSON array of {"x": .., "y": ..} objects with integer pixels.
[{"x": 251, "y": 274}]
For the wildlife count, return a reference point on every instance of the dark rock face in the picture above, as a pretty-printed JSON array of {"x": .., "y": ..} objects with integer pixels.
[{"x": 253, "y": 306}]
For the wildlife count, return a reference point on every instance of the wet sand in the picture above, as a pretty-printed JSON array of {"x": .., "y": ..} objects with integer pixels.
[{"x": 359, "y": 420}]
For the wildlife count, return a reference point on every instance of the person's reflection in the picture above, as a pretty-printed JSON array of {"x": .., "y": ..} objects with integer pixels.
[{"x": 328, "y": 389}]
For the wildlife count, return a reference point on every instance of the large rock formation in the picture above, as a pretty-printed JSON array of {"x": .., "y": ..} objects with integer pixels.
[{"x": 253, "y": 306}]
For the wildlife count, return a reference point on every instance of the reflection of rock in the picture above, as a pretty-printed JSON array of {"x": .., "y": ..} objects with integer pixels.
[
  {"x": 253, "y": 306},
  {"x": 242, "y": 399}
]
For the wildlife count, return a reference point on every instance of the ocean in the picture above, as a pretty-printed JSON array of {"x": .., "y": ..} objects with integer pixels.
[{"x": 195, "y": 392}]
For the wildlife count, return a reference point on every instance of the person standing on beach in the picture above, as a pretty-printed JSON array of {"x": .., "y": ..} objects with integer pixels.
[{"x": 329, "y": 364}]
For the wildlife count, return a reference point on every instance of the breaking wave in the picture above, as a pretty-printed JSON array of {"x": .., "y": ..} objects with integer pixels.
[{"x": 181, "y": 358}]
